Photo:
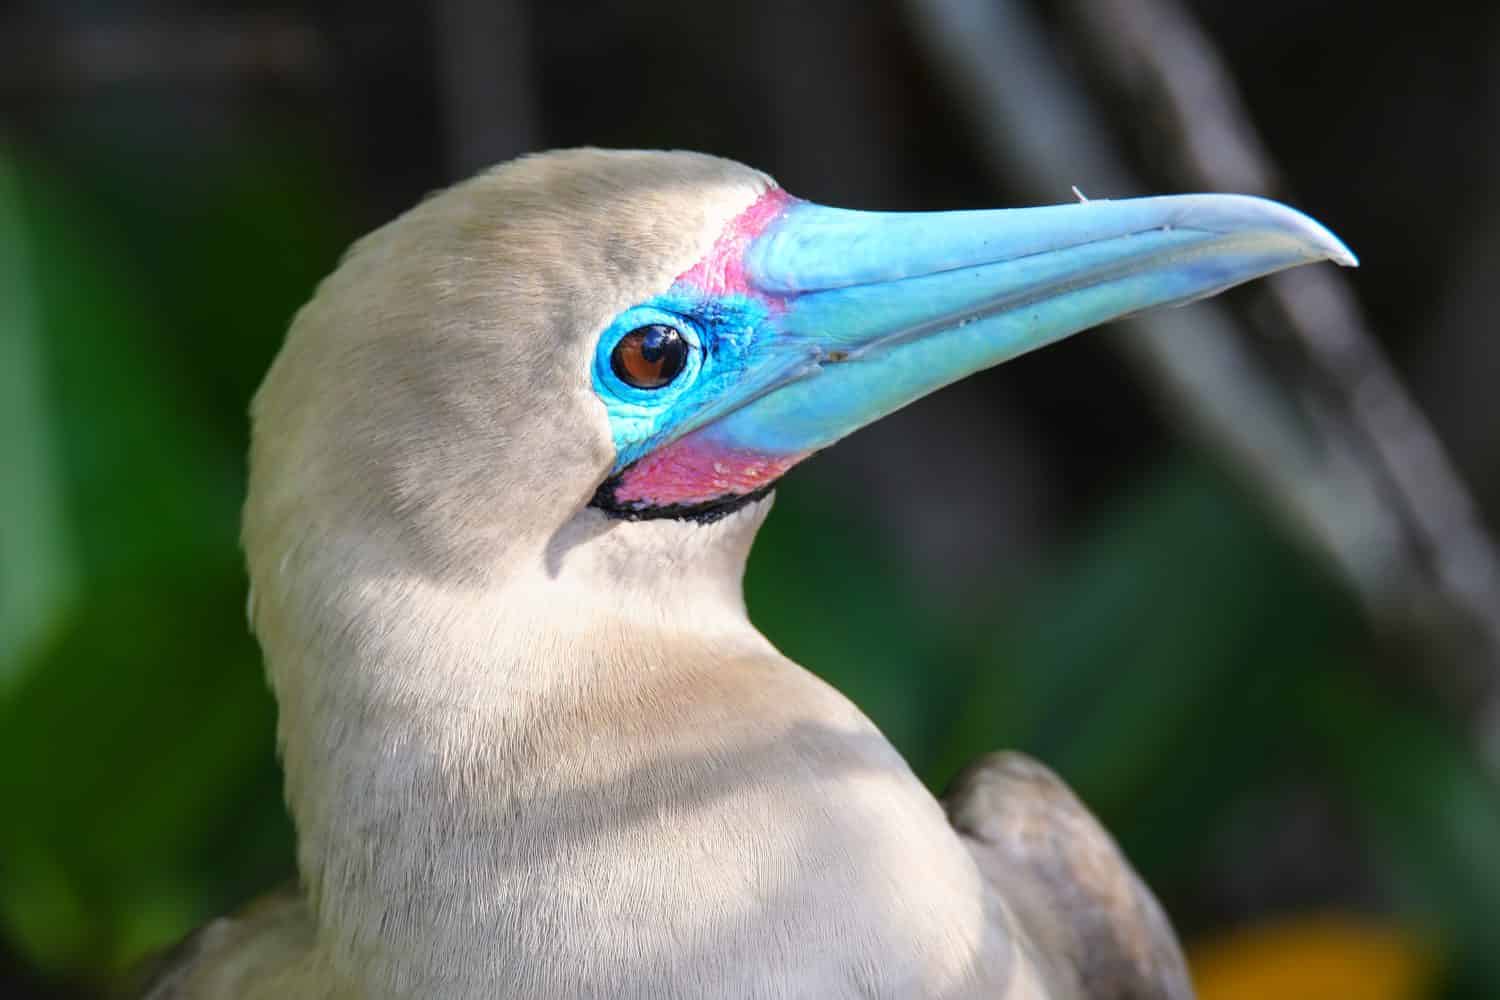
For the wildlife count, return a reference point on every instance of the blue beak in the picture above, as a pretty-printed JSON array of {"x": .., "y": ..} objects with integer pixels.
[
  {"x": 851, "y": 315},
  {"x": 884, "y": 308}
]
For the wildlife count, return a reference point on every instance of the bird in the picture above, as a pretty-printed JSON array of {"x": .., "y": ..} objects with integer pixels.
[{"x": 505, "y": 474}]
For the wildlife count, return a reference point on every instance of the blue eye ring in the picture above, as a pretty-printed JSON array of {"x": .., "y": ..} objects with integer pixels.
[{"x": 672, "y": 333}]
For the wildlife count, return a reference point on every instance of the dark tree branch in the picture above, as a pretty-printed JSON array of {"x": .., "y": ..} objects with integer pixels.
[
  {"x": 1335, "y": 445},
  {"x": 485, "y": 78},
  {"x": 1157, "y": 49}
]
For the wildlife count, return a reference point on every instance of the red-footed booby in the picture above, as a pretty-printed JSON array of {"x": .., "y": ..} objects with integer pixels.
[{"x": 505, "y": 475}]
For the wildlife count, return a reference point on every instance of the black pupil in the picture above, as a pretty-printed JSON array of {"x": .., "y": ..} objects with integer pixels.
[{"x": 649, "y": 357}]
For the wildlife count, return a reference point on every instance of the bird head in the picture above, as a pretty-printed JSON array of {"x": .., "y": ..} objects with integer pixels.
[{"x": 618, "y": 337}]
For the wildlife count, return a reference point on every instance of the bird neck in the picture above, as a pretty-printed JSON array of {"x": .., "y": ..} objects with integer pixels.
[{"x": 417, "y": 712}]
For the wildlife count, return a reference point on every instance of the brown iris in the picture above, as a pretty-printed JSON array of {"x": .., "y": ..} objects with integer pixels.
[{"x": 649, "y": 357}]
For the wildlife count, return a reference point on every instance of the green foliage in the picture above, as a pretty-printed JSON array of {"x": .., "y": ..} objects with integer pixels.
[
  {"x": 1431, "y": 809},
  {"x": 1181, "y": 622},
  {"x": 131, "y": 701}
]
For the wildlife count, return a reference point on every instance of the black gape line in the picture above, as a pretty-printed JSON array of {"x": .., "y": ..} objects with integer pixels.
[{"x": 706, "y": 512}]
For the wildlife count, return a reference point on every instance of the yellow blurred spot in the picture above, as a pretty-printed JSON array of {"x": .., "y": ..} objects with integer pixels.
[{"x": 1316, "y": 958}]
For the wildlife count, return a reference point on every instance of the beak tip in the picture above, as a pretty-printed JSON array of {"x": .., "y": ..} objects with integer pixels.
[
  {"x": 1326, "y": 246},
  {"x": 1332, "y": 249},
  {"x": 1226, "y": 213}
]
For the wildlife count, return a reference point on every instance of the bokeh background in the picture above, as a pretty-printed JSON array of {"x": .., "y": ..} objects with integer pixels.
[{"x": 1229, "y": 568}]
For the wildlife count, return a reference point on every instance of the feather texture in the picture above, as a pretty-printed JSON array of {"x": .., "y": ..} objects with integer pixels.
[{"x": 535, "y": 751}]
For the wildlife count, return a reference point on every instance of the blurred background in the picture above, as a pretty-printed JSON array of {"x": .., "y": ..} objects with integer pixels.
[{"x": 1228, "y": 568}]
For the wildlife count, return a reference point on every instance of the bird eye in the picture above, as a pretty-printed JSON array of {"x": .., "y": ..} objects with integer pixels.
[{"x": 649, "y": 357}]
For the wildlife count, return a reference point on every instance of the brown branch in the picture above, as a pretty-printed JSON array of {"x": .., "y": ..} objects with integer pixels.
[
  {"x": 1337, "y": 448},
  {"x": 1155, "y": 48}
]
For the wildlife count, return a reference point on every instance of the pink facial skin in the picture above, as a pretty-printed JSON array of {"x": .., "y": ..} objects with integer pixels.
[
  {"x": 697, "y": 469},
  {"x": 722, "y": 270}
]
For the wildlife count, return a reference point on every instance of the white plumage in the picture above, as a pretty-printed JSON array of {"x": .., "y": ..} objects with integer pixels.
[{"x": 535, "y": 751}]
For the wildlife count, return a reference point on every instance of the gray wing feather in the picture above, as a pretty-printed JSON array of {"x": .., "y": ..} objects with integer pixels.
[
  {"x": 239, "y": 956},
  {"x": 1065, "y": 882}
]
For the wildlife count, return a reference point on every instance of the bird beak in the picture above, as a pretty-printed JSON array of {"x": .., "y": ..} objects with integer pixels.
[
  {"x": 883, "y": 308},
  {"x": 851, "y": 315}
]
